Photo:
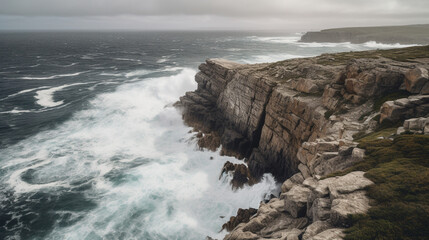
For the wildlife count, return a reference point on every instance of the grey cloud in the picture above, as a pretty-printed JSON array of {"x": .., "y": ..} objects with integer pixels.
[
  {"x": 209, "y": 14},
  {"x": 232, "y": 8}
]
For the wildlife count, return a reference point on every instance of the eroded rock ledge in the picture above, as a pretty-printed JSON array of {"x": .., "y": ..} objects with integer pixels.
[{"x": 297, "y": 119}]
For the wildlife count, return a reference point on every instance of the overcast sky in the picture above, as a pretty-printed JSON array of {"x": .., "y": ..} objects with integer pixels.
[{"x": 286, "y": 15}]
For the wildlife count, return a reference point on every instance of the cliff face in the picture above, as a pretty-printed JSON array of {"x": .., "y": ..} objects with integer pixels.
[
  {"x": 298, "y": 119},
  {"x": 278, "y": 116},
  {"x": 412, "y": 34}
]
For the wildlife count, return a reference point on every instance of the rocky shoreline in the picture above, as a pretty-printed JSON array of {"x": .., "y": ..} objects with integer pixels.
[
  {"x": 411, "y": 34},
  {"x": 299, "y": 120}
]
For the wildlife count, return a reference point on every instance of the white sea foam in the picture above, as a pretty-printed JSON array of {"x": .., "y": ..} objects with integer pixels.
[
  {"x": 23, "y": 91},
  {"x": 68, "y": 65},
  {"x": 278, "y": 39},
  {"x": 111, "y": 74},
  {"x": 163, "y": 59},
  {"x": 54, "y": 76},
  {"x": 127, "y": 59},
  {"x": 45, "y": 98},
  {"x": 164, "y": 188},
  {"x": 373, "y": 44},
  {"x": 135, "y": 73},
  {"x": 325, "y": 45}
]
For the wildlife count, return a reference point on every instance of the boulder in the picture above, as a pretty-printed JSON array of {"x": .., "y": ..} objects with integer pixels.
[
  {"x": 292, "y": 181},
  {"x": 290, "y": 234},
  {"x": 315, "y": 228},
  {"x": 243, "y": 216},
  {"x": 238, "y": 234},
  {"x": 282, "y": 222},
  {"x": 416, "y": 124},
  {"x": 296, "y": 200},
  {"x": 349, "y": 183},
  {"x": 320, "y": 209},
  {"x": 330, "y": 234},
  {"x": 354, "y": 203},
  {"x": 416, "y": 79},
  {"x": 305, "y": 86}
]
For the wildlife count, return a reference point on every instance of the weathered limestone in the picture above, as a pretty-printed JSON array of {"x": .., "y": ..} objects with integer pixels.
[
  {"x": 331, "y": 234},
  {"x": 353, "y": 203},
  {"x": 308, "y": 208},
  {"x": 415, "y": 125},
  {"x": 413, "y": 106},
  {"x": 417, "y": 80},
  {"x": 315, "y": 228},
  {"x": 297, "y": 120},
  {"x": 296, "y": 200},
  {"x": 243, "y": 216}
]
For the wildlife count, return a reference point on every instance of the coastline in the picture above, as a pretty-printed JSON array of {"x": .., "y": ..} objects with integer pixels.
[
  {"x": 301, "y": 120},
  {"x": 409, "y": 34}
]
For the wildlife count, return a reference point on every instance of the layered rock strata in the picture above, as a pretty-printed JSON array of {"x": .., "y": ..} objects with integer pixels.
[
  {"x": 299, "y": 115},
  {"x": 310, "y": 209},
  {"x": 298, "y": 119}
]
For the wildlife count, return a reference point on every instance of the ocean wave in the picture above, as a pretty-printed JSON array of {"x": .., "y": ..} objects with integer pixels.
[
  {"x": 54, "y": 76},
  {"x": 140, "y": 72},
  {"x": 163, "y": 59},
  {"x": 137, "y": 164},
  {"x": 16, "y": 111},
  {"x": 127, "y": 59},
  {"x": 68, "y": 65},
  {"x": 45, "y": 98},
  {"x": 284, "y": 39},
  {"x": 374, "y": 44},
  {"x": 111, "y": 74},
  {"x": 23, "y": 91},
  {"x": 325, "y": 45}
]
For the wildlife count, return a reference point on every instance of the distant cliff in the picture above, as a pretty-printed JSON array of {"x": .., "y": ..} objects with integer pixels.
[
  {"x": 412, "y": 34},
  {"x": 303, "y": 120}
]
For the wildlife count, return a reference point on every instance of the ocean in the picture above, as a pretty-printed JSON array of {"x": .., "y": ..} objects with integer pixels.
[{"x": 91, "y": 146}]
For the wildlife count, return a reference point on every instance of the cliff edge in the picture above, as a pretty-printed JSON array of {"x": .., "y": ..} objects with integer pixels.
[
  {"x": 300, "y": 120},
  {"x": 411, "y": 34}
]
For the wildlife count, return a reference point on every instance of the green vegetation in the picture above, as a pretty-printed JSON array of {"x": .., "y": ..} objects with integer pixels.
[{"x": 400, "y": 170}]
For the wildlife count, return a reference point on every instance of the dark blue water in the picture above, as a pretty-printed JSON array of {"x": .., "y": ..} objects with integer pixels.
[{"x": 90, "y": 147}]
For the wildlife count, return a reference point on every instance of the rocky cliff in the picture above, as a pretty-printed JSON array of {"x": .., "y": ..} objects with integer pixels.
[
  {"x": 299, "y": 120},
  {"x": 411, "y": 34}
]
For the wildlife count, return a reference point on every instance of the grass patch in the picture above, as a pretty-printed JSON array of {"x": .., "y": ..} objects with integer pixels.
[
  {"x": 375, "y": 135},
  {"x": 400, "y": 170}
]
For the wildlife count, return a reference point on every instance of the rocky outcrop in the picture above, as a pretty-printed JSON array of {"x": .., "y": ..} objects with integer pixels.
[
  {"x": 240, "y": 174},
  {"x": 298, "y": 115},
  {"x": 415, "y": 125},
  {"x": 297, "y": 119},
  {"x": 412, "y": 34},
  {"x": 242, "y": 216},
  {"x": 308, "y": 210},
  {"x": 401, "y": 109}
]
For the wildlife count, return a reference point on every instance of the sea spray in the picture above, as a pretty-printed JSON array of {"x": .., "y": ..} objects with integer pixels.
[{"x": 138, "y": 165}]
